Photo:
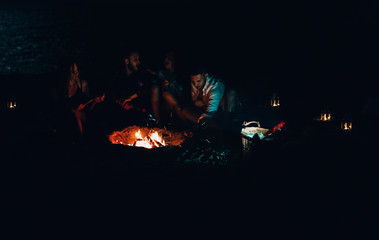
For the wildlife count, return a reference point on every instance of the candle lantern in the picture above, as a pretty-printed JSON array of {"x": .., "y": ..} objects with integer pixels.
[
  {"x": 325, "y": 115},
  {"x": 11, "y": 105},
  {"x": 275, "y": 101},
  {"x": 346, "y": 124}
]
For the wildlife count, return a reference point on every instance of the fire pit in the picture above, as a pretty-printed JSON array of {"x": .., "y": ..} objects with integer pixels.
[
  {"x": 136, "y": 136},
  {"x": 143, "y": 150}
]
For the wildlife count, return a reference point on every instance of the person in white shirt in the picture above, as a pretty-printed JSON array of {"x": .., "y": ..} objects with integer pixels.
[
  {"x": 207, "y": 93},
  {"x": 208, "y": 101}
]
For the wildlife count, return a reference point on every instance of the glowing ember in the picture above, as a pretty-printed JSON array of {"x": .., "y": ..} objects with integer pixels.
[
  {"x": 142, "y": 143},
  {"x": 146, "y": 137}
]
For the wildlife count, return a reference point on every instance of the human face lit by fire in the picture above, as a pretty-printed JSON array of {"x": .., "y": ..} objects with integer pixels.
[
  {"x": 133, "y": 62},
  {"x": 198, "y": 80},
  {"x": 74, "y": 72},
  {"x": 169, "y": 61}
]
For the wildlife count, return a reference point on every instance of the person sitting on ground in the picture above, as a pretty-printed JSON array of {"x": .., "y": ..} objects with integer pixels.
[
  {"x": 167, "y": 89},
  {"x": 74, "y": 100},
  {"x": 131, "y": 89},
  {"x": 211, "y": 101}
]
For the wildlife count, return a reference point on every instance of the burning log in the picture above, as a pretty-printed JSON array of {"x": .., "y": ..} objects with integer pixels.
[
  {"x": 146, "y": 137},
  {"x": 153, "y": 142},
  {"x": 135, "y": 142}
]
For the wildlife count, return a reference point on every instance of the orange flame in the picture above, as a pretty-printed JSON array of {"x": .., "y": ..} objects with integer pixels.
[
  {"x": 155, "y": 136},
  {"x": 138, "y": 134},
  {"x": 143, "y": 143},
  {"x": 145, "y": 137},
  {"x": 149, "y": 141}
]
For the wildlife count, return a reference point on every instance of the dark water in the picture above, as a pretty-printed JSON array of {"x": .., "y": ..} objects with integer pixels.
[
  {"x": 32, "y": 39},
  {"x": 35, "y": 38}
]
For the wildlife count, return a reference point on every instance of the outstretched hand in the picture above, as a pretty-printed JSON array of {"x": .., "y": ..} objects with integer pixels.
[{"x": 126, "y": 104}]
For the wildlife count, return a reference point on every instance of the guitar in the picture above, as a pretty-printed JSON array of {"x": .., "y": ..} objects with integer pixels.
[{"x": 91, "y": 103}]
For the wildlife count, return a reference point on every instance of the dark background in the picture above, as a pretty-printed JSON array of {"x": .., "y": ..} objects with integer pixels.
[
  {"x": 318, "y": 52},
  {"x": 310, "y": 53}
]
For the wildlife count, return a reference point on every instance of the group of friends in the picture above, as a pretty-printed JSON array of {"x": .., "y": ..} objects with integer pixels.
[{"x": 182, "y": 98}]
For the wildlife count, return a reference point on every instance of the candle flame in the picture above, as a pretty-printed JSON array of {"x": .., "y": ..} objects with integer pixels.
[
  {"x": 326, "y": 117},
  {"x": 347, "y": 126},
  {"x": 275, "y": 103},
  {"x": 12, "y": 105}
]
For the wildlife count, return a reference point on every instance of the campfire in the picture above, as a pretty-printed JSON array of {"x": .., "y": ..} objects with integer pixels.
[{"x": 146, "y": 137}]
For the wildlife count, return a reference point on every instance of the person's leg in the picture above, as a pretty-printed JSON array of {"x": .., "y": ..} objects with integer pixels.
[{"x": 80, "y": 117}]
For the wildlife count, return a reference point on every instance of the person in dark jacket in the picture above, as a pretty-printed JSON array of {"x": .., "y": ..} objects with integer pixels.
[{"x": 128, "y": 99}]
